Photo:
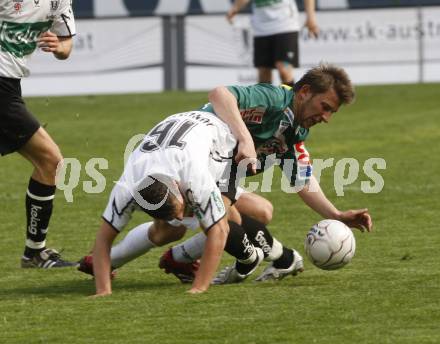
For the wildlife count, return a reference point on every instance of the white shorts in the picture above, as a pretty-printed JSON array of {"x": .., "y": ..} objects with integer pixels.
[{"x": 121, "y": 206}]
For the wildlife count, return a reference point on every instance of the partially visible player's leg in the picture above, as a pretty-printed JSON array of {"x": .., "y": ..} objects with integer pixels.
[
  {"x": 186, "y": 253},
  {"x": 248, "y": 256},
  {"x": 45, "y": 156},
  {"x": 192, "y": 249},
  {"x": 265, "y": 75},
  {"x": 254, "y": 206},
  {"x": 255, "y": 231},
  {"x": 182, "y": 259},
  {"x": 263, "y": 58},
  {"x": 21, "y": 132},
  {"x": 284, "y": 261},
  {"x": 285, "y": 71},
  {"x": 142, "y": 239},
  {"x": 255, "y": 213},
  {"x": 286, "y": 56},
  {"x": 136, "y": 243}
]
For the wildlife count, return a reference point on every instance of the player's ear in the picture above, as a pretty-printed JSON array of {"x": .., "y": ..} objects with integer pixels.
[{"x": 304, "y": 91}]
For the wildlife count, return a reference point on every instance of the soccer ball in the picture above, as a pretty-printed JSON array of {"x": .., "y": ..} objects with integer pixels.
[{"x": 330, "y": 245}]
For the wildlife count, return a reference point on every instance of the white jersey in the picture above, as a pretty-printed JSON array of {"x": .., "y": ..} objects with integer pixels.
[
  {"x": 191, "y": 148},
  {"x": 270, "y": 17},
  {"x": 21, "y": 22}
]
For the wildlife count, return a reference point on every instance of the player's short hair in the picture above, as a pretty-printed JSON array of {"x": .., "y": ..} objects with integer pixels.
[
  {"x": 156, "y": 193},
  {"x": 325, "y": 77}
]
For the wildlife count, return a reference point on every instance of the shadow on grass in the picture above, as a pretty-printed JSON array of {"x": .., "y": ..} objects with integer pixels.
[{"x": 82, "y": 288}]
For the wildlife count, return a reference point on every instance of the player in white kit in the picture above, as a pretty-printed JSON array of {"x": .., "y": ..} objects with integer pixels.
[
  {"x": 173, "y": 175},
  {"x": 275, "y": 27},
  {"x": 24, "y": 26}
]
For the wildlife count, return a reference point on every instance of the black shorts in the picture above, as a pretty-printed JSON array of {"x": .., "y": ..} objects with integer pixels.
[
  {"x": 17, "y": 124},
  {"x": 279, "y": 47},
  {"x": 228, "y": 185}
]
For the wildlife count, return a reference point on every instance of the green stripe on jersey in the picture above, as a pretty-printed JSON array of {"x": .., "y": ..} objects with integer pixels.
[
  {"x": 20, "y": 39},
  {"x": 264, "y": 3}
]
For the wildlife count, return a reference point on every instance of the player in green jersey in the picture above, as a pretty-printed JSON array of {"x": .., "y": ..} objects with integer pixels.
[
  {"x": 271, "y": 120},
  {"x": 24, "y": 26},
  {"x": 266, "y": 120}
]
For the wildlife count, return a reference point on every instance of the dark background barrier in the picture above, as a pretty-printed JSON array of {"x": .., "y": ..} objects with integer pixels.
[{"x": 86, "y": 8}]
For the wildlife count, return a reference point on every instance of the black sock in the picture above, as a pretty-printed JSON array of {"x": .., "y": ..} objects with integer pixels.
[
  {"x": 258, "y": 234},
  {"x": 239, "y": 246},
  {"x": 285, "y": 260},
  {"x": 39, "y": 204},
  {"x": 237, "y": 243}
]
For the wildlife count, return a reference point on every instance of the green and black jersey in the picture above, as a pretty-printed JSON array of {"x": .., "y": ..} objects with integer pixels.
[{"x": 267, "y": 112}]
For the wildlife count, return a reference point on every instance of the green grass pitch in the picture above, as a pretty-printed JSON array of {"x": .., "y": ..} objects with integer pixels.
[{"x": 389, "y": 293}]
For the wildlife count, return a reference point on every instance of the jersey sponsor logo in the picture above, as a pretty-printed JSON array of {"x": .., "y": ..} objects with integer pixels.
[
  {"x": 209, "y": 214},
  {"x": 36, "y": 3},
  {"x": 54, "y": 5},
  {"x": 20, "y": 39},
  {"x": 196, "y": 207},
  {"x": 248, "y": 247},
  {"x": 273, "y": 145},
  {"x": 260, "y": 238},
  {"x": 17, "y": 6},
  {"x": 264, "y": 3},
  {"x": 253, "y": 116},
  {"x": 34, "y": 219},
  {"x": 218, "y": 201}
]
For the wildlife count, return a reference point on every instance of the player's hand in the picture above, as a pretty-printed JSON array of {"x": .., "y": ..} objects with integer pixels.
[
  {"x": 359, "y": 218},
  {"x": 100, "y": 294},
  {"x": 231, "y": 14},
  {"x": 195, "y": 291},
  {"x": 49, "y": 42},
  {"x": 312, "y": 27},
  {"x": 246, "y": 151}
]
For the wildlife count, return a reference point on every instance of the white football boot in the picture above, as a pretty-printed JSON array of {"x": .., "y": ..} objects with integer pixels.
[
  {"x": 272, "y": 273},
  {"x": 230, "y": 274}
]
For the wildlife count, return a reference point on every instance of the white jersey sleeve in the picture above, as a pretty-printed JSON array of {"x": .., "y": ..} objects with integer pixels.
[
  {"x": 63, "y": 22},
  {"x": 204, "y": 197}
]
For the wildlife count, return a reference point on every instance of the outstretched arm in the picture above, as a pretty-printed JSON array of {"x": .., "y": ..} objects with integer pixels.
[
  {"x": 225, "y": 106},
  {"x": 212, "y": 254},
  {"x": 101, "y": 259},
  {"x": 311, "y": 23},
  {"x": 314, "y": 197},
  {"x": 235, "y": 8}
]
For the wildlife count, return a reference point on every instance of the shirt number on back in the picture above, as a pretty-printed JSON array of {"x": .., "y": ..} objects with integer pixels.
[{"x": 167, "y": 134}]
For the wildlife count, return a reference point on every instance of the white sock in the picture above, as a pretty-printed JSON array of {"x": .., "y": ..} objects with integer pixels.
[
  {"x": 275, "y": 252},
  {"x": 135, "y": 244},
  {"x": 189, "y": 250}
]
